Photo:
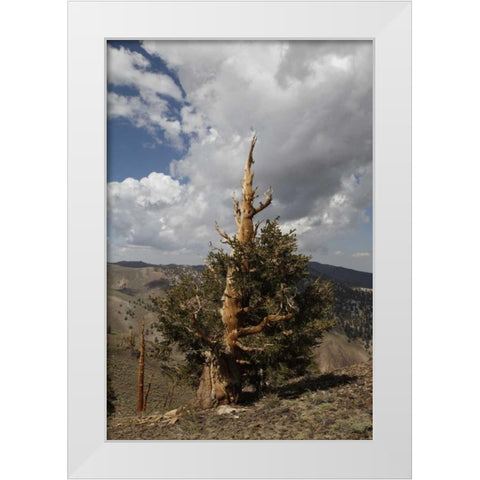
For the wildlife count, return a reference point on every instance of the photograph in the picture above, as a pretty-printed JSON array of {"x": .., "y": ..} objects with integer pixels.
[{"x": 239, "y": 221}]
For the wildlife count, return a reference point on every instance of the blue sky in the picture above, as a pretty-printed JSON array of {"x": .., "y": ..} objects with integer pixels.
[
  {"x": 180, "y": 118},
  {"x": 131, "y": 151}
]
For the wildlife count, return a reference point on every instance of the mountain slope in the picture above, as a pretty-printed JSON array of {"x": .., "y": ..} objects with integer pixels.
[{"x": 347, "y": 276}]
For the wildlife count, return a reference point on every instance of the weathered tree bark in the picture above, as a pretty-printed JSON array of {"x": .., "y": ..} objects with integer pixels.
[
  {"x": 145, "y": 398},
  {"x": 141, "y": 400},
  {"x": 221, "y": 381}
]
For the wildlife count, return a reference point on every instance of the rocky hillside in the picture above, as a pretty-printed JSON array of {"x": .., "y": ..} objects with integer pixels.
[
  {"x": 333, "y": 406},
  {"x": 334, "y": 401}
]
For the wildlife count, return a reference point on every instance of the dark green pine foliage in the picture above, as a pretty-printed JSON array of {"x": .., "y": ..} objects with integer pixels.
[{"x": 270, "y": 277}]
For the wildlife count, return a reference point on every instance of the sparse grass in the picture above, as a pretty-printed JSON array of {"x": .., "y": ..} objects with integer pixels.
[
  {"x": 271, "y": 400},
  {"x": 122, "y": 366},
  {"x": 336, "y": 405},
  {"x": 325, "y": 406},
  {"x": 340, "y": 408},
  {"x": 359, "y": 424}
]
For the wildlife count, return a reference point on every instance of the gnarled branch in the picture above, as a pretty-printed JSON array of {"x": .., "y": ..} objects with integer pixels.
[
  {"x": 255, "y": 228},
  {"x": 250, "y": 160},
  {"x": 223, "y": 234},
  {"x": 268, "y": 200},
  {"x": 244, "y": 348},
  {"x": 196, "y": 326},
  {"x": 236, "y": 210},
  {"x": 243, "y": 332}
]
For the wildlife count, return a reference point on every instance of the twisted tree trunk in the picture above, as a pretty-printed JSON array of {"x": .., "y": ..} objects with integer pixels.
[{"x": 221, "y": 381}]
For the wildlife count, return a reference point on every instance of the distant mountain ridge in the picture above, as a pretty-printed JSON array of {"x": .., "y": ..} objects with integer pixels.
[
  {"x": 133, "y": 264},
  {"x": 347, "y": 276}
]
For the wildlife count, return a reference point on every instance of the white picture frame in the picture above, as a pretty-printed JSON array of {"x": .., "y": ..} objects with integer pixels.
[{"x": 388, "y": 24}]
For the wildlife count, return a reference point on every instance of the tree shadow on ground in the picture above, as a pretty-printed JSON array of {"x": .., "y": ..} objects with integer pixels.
[
  {"x": 312, "y": 384},
  {"x": 249, "y": 397},
  {"x": 297, "y": 388}
]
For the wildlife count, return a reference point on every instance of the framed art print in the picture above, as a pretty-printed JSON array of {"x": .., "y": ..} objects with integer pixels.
[{"x": 239, "y": 239}]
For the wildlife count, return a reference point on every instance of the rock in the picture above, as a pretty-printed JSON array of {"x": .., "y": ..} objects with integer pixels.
[
  {"x": 225, "y": 409},
  {"x": 170, "y": 414}
]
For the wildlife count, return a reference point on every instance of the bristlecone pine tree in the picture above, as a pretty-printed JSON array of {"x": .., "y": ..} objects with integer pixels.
[{"x": 250, "y": 315}]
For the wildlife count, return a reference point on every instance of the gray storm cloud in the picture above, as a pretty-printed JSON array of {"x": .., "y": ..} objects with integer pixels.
[{"x": 310, "y": 104}]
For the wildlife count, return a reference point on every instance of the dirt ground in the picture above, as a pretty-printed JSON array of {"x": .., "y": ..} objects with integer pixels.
[{"x": 337, "y": 405}]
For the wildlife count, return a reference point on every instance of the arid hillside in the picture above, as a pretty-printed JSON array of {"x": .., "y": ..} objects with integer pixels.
[
  {"x": 333, "y": 406},
  {"x": 347, "y": 344},
  {"x": 333, "y": 401}
]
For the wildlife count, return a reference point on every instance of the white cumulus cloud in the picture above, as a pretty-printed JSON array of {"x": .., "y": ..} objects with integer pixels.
[
  {"x": 311, "y": 106},
  {"x": 150, "y": 108}
]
